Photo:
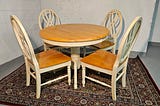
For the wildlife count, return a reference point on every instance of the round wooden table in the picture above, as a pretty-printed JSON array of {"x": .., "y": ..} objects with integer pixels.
[{"x": 74, "y": 36}]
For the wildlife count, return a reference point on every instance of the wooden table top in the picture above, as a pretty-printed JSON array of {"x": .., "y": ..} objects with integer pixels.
[{"x": 74, "y": 32}]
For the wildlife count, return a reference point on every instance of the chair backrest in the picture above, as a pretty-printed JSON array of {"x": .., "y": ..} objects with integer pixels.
[
  {"x": 113, "y": 21},
  {"x": 24, "y": 41},
  {"x": 48, "y": 17},
  {"x": 128, "y": 40}
]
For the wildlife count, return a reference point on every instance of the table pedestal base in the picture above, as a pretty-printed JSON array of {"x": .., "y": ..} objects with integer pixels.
[{"x": 75, "y": 55}]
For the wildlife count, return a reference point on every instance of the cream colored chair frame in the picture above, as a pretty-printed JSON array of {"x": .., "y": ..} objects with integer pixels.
[
  {"x": 113, "y": 21},
  {"x": 120, "y": 64},
  {"x": 49, "y": 18},
  {"x": 31, "y": 59}
]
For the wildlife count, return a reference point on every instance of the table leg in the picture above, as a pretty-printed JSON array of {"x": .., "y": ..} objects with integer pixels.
[{"x": 75, "y": 55}]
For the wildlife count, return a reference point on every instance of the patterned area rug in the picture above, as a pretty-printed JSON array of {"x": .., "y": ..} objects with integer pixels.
[{"x": 140, "y": 90}]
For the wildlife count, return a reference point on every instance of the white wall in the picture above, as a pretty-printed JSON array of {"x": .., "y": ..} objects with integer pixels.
[
  {"x": 93, "y": 11},
  {"x": 155, "y": 36},
  {"x": 70, "y": 11},
  {"x": 27, "y": 11}
]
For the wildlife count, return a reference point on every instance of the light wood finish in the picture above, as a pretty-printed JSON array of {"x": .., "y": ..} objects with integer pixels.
[
  {"x": 109, "y": 63},
  {"x": 42, "y": 62},
  {"x": 74, "y": 36},
  {"x": 113, "y": 21},
  {"x": 48, "y": 17},
  {"x": 74, "y": 33},
  {"x": 51, "y": 57},
  {"x": 105, "y": 57},
  {"x": 105, "y": 44}
]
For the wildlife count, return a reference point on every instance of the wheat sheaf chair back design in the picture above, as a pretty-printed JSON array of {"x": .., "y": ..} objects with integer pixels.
[
  {"x": 39, "y": 63},
  {"x": 113, "y": 21},
  {"x": 112, "y": 64},
  {"x": 48, "y": 17}
]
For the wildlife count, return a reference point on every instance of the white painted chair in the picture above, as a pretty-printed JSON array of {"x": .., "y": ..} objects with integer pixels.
[
  {"x": 48, "y": 17},
  {"x": 42, "y": 62},
  {"x": 113, "y": 21},
  {"x": 111, "y": 64}
]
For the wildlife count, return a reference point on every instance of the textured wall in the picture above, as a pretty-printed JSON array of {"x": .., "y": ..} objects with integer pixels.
[
  {"x": 70, "y": 11},
  {"x": 93, "y": 11},
  {"x": 27, "y": 11},
  {"x": 155, "y": 35}
]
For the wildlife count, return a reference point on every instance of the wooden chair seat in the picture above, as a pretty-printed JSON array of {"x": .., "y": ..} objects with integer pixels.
[
  {"x": 51, "y": 58},
  {"x": 105, "y": 44},
  {"x": 100, "y": 58}
]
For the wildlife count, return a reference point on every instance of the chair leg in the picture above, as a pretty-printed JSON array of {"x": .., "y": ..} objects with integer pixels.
[
  {"x": 27, "y": 73},
  {"x": 75, "y": 75},
  {"x": 69, "y": 74},
  {"x": 83, "y": 75},
  {"x": 84, "y": 51},
  {"x": 124, "y": 77},
  {"x": 113, "y": 50},
  {"x": 38, "y": 85},
  {"x": 113, "y": 87},
  {"x": 45, "y": 47}
]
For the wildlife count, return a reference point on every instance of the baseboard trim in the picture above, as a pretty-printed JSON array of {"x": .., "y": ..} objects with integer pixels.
[
  {"x": 154, "y": 43},
  {"x": 134, "y": 54},
  {"x": 39, "y": 49}
]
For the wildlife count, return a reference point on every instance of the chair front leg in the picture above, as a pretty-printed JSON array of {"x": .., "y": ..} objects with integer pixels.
[
  {"x": 83, "y": 75},
  {"x": 38, "y": 85},
  {"x": 113, "y": 86},
  {"x": 69, "y": 74},
  {"x": 124, "y": 76},
  {"x": 27, "y": 73}
]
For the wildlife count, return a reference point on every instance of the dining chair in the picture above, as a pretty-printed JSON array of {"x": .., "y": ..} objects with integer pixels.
[
  {"x": 39, "y": 63},
  {"x": 111, "y": 64},
  {"x": 113, "y": 21},
  {"x": 48, "y": 17}
]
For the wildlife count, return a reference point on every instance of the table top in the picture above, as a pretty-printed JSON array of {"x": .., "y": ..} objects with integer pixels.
[{"x": 74, "y": 33}]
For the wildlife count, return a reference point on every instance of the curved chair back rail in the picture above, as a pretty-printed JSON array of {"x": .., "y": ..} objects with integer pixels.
[
  {"x": 48, "y": 17},
  {"x": 113, "y": 21},
  {"x": 129, "y": 40}
]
